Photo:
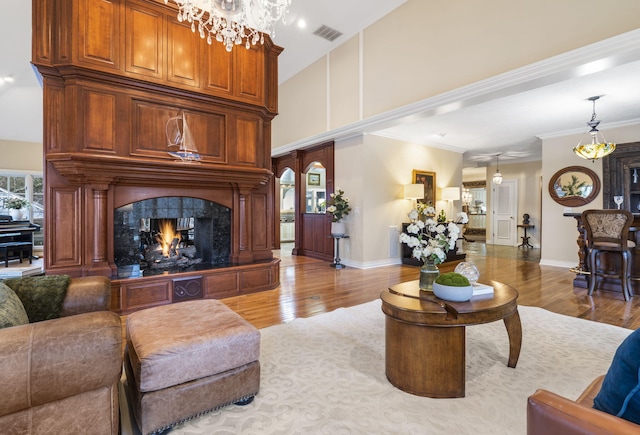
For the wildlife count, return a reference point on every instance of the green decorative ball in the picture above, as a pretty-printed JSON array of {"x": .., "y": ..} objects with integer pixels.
[{"x": 453, "y": 279}]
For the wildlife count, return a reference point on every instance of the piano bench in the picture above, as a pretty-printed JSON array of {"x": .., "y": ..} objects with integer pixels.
[{"x": 18, "y": 249}]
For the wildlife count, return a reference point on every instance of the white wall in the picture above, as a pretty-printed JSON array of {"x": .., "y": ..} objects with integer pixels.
[
  {"x": 372, "y": 171},
  {"x": 427, "y": 47},
  {"x": 559, "y": 237},
  {"x": 21, "y": 156}
]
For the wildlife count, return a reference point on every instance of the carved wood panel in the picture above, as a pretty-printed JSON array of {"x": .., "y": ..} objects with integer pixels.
[
  {"x": 250, "y": 65},
  {"x": 42, "y": 12},
  {"x": 144, "y": 41},
  {"x": 315, "y": 241},
  {"x": 222, "y": 285},
  {"x": 99, "y": 22},
  {"x": 148, "y": 134},
  {"x": 247, "y": 136},
  {"x": 54, "y": 114},
  {"x": 209, "y": 133},
  {"x": 255, "y": 280},
  {"x": 99, "y": 121},
  {"x": 259, "y": 209},
  {"x": 218, "y": 69},
  {"x": 137, "y": 295},
  {"x": 183, "y": 64},
  {"x": 64, "y": 226}
]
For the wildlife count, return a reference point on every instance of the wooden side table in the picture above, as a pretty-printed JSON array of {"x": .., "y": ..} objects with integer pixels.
[{"x": 425, "y": 336}]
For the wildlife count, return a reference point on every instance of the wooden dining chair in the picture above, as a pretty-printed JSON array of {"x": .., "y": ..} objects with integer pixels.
[{"x": 608, "y": 231}]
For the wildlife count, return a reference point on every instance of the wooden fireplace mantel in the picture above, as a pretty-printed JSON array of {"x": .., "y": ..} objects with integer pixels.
[
  {"x": 114, "y": 72},
  {"x": 91, "y": 169}
]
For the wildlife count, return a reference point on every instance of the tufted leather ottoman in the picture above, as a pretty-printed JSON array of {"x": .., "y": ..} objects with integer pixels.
[{"x": 186, "y": 359}]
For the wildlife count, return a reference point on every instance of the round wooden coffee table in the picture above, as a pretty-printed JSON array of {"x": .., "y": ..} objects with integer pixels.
[{"x": 425, "y": 336}]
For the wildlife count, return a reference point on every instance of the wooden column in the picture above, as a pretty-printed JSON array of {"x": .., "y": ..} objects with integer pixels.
[{"x": 99, "y": 194}]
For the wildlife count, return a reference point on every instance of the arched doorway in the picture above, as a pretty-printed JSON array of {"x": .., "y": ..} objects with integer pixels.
[{"x": 313, "y": 183}]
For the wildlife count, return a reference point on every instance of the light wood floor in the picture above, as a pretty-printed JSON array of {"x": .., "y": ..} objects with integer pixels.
[{"x": 310, "y": 287}]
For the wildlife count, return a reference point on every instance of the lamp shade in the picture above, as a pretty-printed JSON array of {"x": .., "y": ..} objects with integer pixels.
[
  {"x": 413, "y": 191},
  {"x": 450, "y": 193}
]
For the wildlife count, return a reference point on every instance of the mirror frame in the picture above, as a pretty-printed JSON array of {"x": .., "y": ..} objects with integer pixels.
[{"x": 575, "y": 201}]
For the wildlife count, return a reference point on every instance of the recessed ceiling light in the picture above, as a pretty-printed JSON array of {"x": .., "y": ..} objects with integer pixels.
[
  {"x": 302, "y": 23},
  {"x": 8, "y": 79}
]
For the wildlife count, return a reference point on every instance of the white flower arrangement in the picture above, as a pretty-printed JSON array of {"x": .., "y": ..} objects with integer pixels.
[
  {"x": 338, "y": 206},
  {"x": 462, "y": 218},
  {"x": 429, "y": 239}
]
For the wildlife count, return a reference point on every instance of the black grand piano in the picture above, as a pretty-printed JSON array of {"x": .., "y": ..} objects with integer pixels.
[{"x": 16, "y": 239}]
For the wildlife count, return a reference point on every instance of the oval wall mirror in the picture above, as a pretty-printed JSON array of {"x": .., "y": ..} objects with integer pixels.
[{"x": 574, "y": 186}]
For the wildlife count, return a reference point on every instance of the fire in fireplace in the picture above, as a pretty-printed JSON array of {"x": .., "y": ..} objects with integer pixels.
[
  {"x": 168, "y": 243},
  {"x": 171, "y": 234}
]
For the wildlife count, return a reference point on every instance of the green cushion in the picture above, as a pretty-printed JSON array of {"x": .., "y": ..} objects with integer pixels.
[
  {"x": 42, "y": 296},
  {"x": 12, "y": 311}
]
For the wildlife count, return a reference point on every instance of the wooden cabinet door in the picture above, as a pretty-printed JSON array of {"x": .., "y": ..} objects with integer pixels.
[
  {"x": 144, "y": 41},
  {"x": 99, "y": 33},
  {"x": 249, "y": 81},
  {"x": 183, "y": 54}
]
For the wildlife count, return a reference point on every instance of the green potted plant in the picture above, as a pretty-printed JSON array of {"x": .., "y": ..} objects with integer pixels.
[{"x": 453, "y": 287}]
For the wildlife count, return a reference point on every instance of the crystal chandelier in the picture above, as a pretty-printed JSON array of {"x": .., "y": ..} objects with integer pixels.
[
  {"x": 597, "y": 148},
  {"x": 497, "y": 177},
  {"x": 233, "y": 21}
]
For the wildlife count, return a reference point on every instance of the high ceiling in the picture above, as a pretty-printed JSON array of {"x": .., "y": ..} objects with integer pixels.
[{"x": 509, "y": 121}]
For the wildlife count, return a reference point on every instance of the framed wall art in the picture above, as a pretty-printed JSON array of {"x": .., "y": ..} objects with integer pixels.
[
  {"x": 574, "y": 186},
  {"x": 313, "y": 179},
  {"x": 429, "y": 181}
]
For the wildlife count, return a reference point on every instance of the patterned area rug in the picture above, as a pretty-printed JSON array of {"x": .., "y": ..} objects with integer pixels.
[{"x": 326, "y": 375}]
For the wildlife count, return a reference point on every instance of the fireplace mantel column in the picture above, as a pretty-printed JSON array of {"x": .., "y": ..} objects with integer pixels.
[
  {"x": 241, "y": 251},
  {"x": 99, "y": 193}
]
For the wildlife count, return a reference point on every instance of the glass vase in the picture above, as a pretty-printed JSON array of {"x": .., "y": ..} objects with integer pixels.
[{"x": 428, "y": 274}]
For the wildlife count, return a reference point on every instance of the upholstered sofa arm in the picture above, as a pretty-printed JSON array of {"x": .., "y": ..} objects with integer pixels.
[
  {"x": 47, "y": 361},
  {"x": 549, "y": 413},
  {"x": 86, "y": 294}
]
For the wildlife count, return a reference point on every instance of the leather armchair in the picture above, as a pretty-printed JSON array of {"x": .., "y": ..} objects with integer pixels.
[
  {"x": 62, "y": 375},
  {"x": 549, "y": 414}
]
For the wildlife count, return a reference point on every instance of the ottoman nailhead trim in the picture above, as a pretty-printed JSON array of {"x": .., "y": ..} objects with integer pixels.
[{"x": 162, "y": 429}]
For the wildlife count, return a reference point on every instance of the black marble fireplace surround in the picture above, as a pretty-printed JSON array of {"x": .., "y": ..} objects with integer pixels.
[{"x": 211, "y": 233}]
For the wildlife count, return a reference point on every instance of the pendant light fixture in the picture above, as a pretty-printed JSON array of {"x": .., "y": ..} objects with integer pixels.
[
  {"x": 599, "y": 147},
  {"x": 497, "y": 177}
]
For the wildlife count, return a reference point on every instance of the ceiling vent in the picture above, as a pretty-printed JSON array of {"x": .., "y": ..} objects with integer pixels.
[{"x": 327, "y": 33}]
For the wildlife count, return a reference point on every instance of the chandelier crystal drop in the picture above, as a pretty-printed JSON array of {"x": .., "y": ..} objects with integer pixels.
[
  {"x": 598, "y": 148},
  {"x": 233, "y": 22}
]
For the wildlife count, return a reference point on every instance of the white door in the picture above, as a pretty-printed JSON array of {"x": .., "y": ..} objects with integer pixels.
[{"x": 505, "y": 208}]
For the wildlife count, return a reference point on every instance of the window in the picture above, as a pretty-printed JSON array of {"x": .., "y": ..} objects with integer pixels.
[{"x": 30, "y": 187}]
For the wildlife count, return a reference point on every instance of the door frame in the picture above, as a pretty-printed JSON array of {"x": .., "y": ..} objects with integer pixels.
[
  {"x": 300, "y": 161},
  {"x": 513, "y": 211}
]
